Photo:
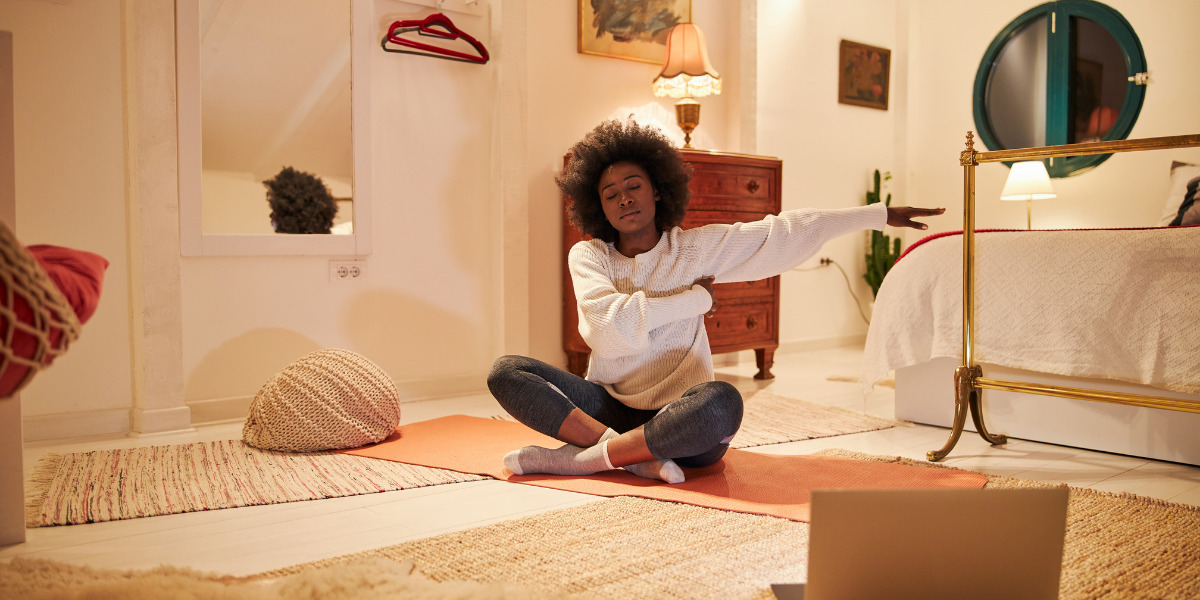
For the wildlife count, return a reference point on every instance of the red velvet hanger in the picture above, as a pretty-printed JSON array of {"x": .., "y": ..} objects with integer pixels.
[{"x": 436, "y": 25}]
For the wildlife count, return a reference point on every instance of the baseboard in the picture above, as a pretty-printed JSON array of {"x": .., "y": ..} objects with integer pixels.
[
  {"x": 220, "y": 410},
  {"x": 442, "y": 387},
  {"x": 233, "y": 409},
  {"x": 732, "y": 359},
  {"x": 857, "y": 340},
  {"x": 155, "y": 421},
  {"x": 113, "y": 422}
]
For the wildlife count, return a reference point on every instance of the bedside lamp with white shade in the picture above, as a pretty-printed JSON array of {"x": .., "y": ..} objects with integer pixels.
[
  {"x": 687, "y": 74},
  {"x": 1028, "y": 181}
]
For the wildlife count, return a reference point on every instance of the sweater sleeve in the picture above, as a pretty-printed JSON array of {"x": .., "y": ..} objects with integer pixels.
[
  {"x": 761, "y": 249},
  {"x": 616, "y": 324}
]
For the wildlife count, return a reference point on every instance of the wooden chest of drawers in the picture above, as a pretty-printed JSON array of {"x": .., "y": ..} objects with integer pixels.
[{"x": 726, "y": 188}]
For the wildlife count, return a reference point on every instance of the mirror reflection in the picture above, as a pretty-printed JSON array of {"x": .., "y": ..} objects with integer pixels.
[
  {"x": 1098, "y": 82},
  {"x": 275, "y": 116},
  {"x": 1016, "y": 91}
]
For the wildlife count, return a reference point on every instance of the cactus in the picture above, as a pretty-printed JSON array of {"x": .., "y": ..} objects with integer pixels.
[{"x": 882, "y": 251}]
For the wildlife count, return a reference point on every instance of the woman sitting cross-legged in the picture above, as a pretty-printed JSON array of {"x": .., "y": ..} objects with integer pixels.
[{"x": 649, "y": 403}]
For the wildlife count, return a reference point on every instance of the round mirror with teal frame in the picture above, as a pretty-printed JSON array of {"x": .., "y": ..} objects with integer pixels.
[{"x": 1063, "y": 72}]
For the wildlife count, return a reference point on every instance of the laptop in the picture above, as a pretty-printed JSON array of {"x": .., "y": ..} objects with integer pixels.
[{"x": 933, "y": 544}]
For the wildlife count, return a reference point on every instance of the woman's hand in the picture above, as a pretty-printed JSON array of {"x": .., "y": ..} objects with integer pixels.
[
  {"x": 707, "y": 283},
  {"x": 902, "y": 216}
]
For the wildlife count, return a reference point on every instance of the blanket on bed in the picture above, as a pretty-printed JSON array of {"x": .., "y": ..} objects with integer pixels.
[{"x": 1115, "y": 304}]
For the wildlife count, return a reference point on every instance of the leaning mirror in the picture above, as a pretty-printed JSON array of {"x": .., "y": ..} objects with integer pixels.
[
  {"x": 273, "y": 155},
  {"x": 1063, "y": 72}
]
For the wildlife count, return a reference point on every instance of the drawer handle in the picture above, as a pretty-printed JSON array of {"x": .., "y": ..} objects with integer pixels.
[
  {"x": 752, "y": 186},
  {"x": 751, "y": 322}
]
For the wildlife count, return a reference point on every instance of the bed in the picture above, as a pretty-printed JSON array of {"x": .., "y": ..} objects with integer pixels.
[{"x": 1082, "y": 338}]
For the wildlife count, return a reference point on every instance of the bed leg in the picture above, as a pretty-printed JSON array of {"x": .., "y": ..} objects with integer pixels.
[
  {"x": 966, "y": 399},
  {"x": 977, "y": 415},
  {"x": 963, "y": 387}
]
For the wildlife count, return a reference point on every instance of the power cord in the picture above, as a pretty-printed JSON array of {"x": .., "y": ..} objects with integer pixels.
[{"x": 825, "y": 262}]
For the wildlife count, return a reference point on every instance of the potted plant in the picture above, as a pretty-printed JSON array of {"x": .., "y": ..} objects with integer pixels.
[{"x": 882, "y": 251}]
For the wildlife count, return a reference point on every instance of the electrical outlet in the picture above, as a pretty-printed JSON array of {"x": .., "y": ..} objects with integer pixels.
[{"x": 347, "y": 270}]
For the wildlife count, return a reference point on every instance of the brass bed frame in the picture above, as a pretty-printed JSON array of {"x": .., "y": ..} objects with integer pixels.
[{"x": 969, "y": 381}]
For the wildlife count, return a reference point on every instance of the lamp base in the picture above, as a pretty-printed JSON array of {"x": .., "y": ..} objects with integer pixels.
[{"x": 687, "y": 115}]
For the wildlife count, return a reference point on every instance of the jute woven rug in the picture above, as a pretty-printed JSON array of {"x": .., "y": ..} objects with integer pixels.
[
  {"x": 108, "y": 485},
  {"x": 1117, "y": 546},
  {"x": 26, "y": 578}
]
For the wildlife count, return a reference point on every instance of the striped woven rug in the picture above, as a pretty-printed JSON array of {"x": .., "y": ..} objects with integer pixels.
[
  {"x": 109, "y": 485},
  {"x": 773, "y": 419}
]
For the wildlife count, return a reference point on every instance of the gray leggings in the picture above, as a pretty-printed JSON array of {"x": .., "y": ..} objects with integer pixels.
[{"x": 693, "y": 431}]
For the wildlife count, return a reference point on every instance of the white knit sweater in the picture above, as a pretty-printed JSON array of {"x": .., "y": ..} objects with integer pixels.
[{"x": 644, "y": 319}]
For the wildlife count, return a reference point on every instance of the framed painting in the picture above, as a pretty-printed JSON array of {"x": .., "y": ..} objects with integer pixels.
[
  {"x": 863, "y": 75},
  {"x": 630, "y": 29}
]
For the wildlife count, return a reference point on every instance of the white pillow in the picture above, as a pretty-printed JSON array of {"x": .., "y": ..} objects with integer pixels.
[
  {"x": 1181, "y": 174},
  {"x": 1192, "y": 216}
]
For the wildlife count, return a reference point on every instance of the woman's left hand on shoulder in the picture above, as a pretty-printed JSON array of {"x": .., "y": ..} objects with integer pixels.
[{"x": 707, "y": 284}]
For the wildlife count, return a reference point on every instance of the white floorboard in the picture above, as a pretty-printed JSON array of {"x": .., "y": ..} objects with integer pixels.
[{"x": 249, "y": 540}]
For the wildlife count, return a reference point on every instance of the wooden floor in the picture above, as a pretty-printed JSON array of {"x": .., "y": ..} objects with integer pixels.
[{"x": 249, "y": 540}]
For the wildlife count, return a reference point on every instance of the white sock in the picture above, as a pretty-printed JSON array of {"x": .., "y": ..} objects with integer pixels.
[{"x": 662, "y": 470}]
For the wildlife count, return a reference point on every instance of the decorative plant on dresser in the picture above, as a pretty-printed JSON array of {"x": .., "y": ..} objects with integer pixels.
[{"x": 725, "y": 188}]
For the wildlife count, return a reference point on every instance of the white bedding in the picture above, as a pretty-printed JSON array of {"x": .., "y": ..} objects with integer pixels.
[{"x": 1114, "y": 304}]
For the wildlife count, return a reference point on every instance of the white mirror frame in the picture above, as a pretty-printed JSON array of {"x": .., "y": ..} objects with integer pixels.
[{"x": 194, "y": 242}]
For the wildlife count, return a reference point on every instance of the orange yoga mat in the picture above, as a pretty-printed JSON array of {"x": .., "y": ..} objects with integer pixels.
[{"x": 749, "y": 482}]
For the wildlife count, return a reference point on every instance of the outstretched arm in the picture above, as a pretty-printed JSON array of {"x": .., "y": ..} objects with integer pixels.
[
  {"x": 902, "y": 216},
  {"x": 760, "y": 249}
]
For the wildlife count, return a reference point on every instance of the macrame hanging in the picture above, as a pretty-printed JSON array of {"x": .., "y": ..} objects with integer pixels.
[{"x": 37, "y": 323}]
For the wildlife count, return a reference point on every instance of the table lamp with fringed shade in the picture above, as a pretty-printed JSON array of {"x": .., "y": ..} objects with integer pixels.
[
  {"x": 687, "y": 75},
  {"x": 1028, "y": 181}
]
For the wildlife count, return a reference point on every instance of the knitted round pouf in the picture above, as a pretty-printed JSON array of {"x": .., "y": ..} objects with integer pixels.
[{"x": 327, "y": 400}]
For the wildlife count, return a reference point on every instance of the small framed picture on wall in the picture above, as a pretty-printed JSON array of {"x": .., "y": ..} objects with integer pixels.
[
  {"x": 863, "y": 73},
  {"x": 630, "y": 29}
]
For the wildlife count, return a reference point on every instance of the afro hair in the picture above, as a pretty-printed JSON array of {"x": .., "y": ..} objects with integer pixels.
[
  {"x": 300, "y": 202},
  {"x": 612, "y": 142}
]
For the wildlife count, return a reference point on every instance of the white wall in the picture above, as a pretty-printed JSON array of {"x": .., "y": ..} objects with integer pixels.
[
  {"x": 71, "y": 187},
  {"x": 829, "y": 150}
]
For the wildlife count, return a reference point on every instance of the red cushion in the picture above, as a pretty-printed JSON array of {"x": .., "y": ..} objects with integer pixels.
[
  {"x": 77, "y": 273},
  {"x": 80, "y": 277}
]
